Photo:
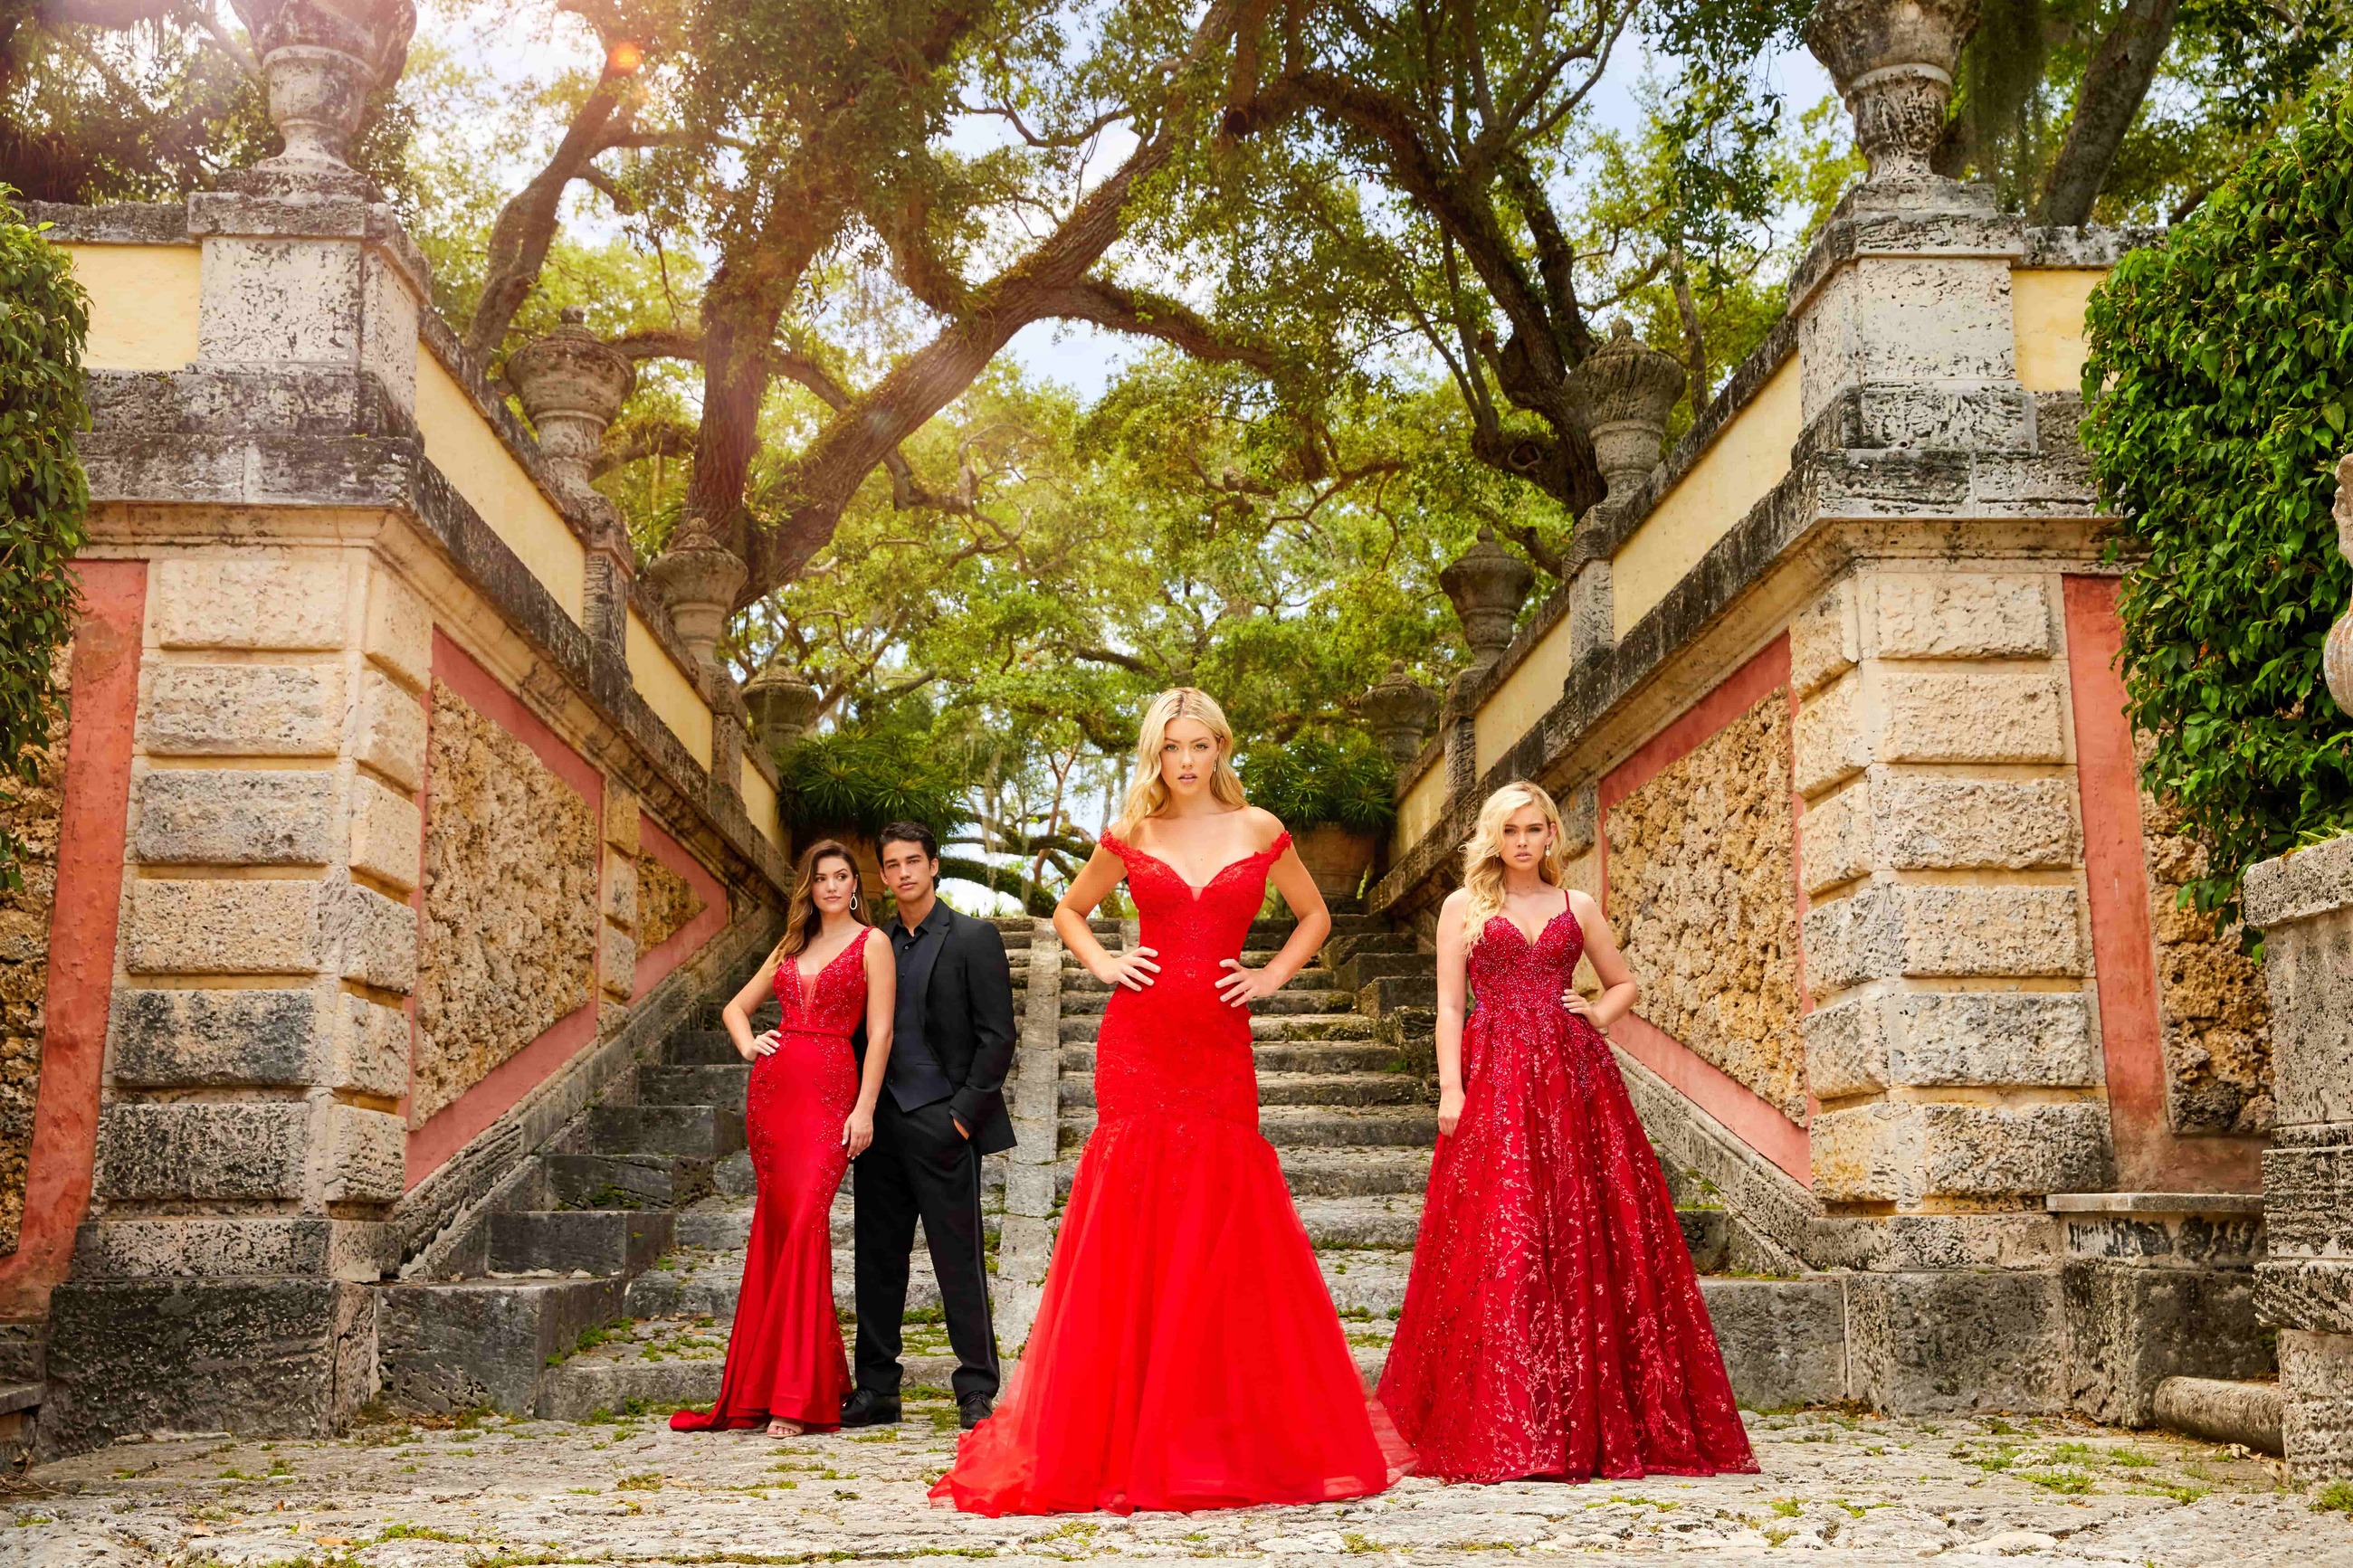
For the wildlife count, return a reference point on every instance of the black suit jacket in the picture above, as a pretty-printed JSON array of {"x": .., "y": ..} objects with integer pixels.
[{"x": 968, "y": 1025}]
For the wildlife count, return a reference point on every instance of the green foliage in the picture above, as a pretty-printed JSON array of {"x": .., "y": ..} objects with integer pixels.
[
  {"x": 2219, "y": 375},
  {"x": 44, "y": 317},
  {"x": 867, "y": 779},
  {"x": 1315, "y": 780}
]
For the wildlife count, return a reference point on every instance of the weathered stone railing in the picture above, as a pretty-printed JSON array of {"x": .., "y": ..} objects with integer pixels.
[
  {"x": 1830, "y": 703},
  {"x": 400, "y": 822}
]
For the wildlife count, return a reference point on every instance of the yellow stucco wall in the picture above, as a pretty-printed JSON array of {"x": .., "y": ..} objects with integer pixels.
[
  {"x": 1749, "y": 457},
  {"x": 461, "y": 443},
  {"x": 2047, "y": 315},
  {"x": 760, "y": 804},
  {"x": 1532, "y": 687},
  {"x": 668, "y": 691},
  {"x": 143, "y": 304},
  {"x": 1419, "y": 811}
]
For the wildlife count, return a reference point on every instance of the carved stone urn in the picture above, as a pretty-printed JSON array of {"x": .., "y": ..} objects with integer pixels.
[
  {"x": 698, "y": 578},
  {"x": 1488, "y": 585},
  {"x": 320, "y": 61},
  {"x": 2336, "y": 657},
  {"x": 1893, "y": 61},
  {"x": 1399, "y": 711},
  {"x": 783, "y": 706},
  {"x": 572, "y": 384},
  {"x": 1629, "y": 389}
]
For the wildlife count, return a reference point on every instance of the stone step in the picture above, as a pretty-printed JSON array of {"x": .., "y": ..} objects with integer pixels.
[
  {"x": 1328, "y": 1173},
  {"x": 627, "y": 1181},
  {"x": 1273, "y": 1027},
  {"x": 1342, "y": 948},
  {"x": 1272, "y": 1056},
  {"x": 598, "y": 1241},
  {"x": 1390, "y": 992},
  {"x": 1364, "y": 968},
  {"x": 1283, "y": 1004},
  {"x": 695, "y": 1283},
  {"x": 1362, "y": 1223},
  {"x": 1307, "y": 1127},
  {"x": 716, "y": 1083},
  {"x": 451, "y": 1347},
  {"x": 701, "y": 1047},
  {"x": 1344, "y": 1088},
  {"x": 699, "y": 1132},
  {"x": 1076, "y": 982},
  {"x": 657, "y": 1365}
]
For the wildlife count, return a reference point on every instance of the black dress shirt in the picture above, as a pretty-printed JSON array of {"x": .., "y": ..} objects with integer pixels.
[{"x": 914, "y": 1075}]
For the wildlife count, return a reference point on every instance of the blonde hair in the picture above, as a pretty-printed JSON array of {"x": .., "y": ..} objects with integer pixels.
[
  {"x": 1147, "y": 795},
  {"x": 803, "y": 918},
  {"x": 1482, "y": 857}
]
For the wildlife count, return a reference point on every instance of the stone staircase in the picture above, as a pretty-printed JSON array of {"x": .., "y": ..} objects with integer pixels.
[{"x": 611, "y": 1281}]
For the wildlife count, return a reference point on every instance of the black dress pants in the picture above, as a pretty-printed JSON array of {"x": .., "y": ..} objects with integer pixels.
[{"x": 920, "y": 1166}]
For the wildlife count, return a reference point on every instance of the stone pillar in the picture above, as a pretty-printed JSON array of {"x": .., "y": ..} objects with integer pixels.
[
  {"x": 248, "y": 1141},
  {"x": 2304, "y": 902},
  {"x": 573, "y": 385},
  {"x": 1033, "y": 1096}
]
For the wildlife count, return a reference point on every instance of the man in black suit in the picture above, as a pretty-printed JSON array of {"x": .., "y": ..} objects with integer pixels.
[{"x": 942, "y": 1109}]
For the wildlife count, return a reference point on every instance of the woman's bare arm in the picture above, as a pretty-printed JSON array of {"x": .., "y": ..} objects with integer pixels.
[
  {"x": 1241, "y": 986},
  {"x": 1454, "y": 990},
  {"x": 1619, "y": 991},
  {"x": 1088, "y": 889},
  {"x": 736, "y": 1016}
]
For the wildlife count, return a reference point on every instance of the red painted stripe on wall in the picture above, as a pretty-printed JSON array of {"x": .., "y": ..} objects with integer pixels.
[
  {"x": 92, "y": 830},
  {"x": 2150, "y": 1157}
]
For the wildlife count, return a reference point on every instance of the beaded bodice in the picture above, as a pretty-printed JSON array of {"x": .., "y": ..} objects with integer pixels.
[
  {"x": 830, "y": 1002},
  {"x": 1177, "y": 1049}
]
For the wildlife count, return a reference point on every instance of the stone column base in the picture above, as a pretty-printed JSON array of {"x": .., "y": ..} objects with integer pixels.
[
  {"x": 2316, "y": 1413},
  {"x": 258, "y": 1357},
  {"x": 2158, "y": 1285}
]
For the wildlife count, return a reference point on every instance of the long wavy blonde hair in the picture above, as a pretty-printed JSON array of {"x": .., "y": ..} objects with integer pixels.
[
  {"x": 803, "y": 918},
  {"x": 1482, "y": 857},
  {"x": 1147, "y": 795}
]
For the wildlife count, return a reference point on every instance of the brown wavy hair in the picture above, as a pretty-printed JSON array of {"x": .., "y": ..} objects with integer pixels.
[{"x": 802, "y": 917}]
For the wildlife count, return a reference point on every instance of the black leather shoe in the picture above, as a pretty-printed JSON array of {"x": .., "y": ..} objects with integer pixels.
[
  {"x": 867, "y": 1408},
  {"x": 972, "y": 1410}
]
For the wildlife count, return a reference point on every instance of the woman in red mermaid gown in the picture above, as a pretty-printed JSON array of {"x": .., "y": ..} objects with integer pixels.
[
  {"x": 806, "y": 1113},
  {"x": 1552, "y": 1324},
  {"x": 1186, "y": 1354}
]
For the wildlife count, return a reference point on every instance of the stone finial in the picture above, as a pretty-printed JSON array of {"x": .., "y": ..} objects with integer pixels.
[
  {"x": 1628, "y": 388},
  {"x": 2336, "y": 657},
  {"x": 783, "y": 705},
  {"x": 320, "y": 61},
  {"x": 698, "y": 578},
  {"x": 1488, "y": 585},
  {"x": 1399, "y": 711},
  {"x": 1893, "y": 61},
  {"x": 572, "y": 384}
]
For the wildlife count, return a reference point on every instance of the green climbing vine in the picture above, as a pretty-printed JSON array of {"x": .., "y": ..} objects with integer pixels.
[
  {"x": 2219, "y": 381},
  {"x": 43, "y": 317}
]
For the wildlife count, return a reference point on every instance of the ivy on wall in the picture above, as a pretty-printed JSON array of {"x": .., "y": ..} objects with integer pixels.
[
  {"x": 2220, "y": 382},
  {"x": 44, "y": 317}
]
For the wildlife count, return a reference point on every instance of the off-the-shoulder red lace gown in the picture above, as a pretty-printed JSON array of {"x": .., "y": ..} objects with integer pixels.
[
  {"x": 785, "y": 1356},
  {"x": 1552, "y": 1324},
  {"x": 1186, "y": 1354}
]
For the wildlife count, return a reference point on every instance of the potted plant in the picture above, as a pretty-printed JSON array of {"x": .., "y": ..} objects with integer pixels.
[{"x": 1337, "y": 797}]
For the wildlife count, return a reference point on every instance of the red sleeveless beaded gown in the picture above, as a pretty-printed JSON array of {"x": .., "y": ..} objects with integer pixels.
[
  {"x": 1552, "y": 1324},
  {"x": 783, "y": 1356},
  {"x": 1186, "y": 1354}
]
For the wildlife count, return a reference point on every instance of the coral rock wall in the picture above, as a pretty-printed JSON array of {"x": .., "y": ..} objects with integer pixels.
[
  {"x": 30, "y": 811},
  {"x": 510, "y": 908},
  {"x": 1702, "y": 900},
  {"x": 2217, "y": 1019},
  {"x": 666, "y": 903}
]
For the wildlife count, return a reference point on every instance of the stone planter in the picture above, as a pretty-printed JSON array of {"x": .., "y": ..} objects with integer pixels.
[
  {"x": 1398, "y": 711},
  {"x": 1629, "y": 389},
  {"x": 783, "y": 706},
  {"x": 1893, "y": 61},
  {"x": 1488, "y": 585},
  {"x": 1336, "y": 856},
  {"x": 320, "y": 61},
  {"x": 698, "y": 579},
  {"x": 572, "y": 385}
]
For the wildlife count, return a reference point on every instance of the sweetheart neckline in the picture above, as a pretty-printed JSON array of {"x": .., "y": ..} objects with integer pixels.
[
  {"x": 1531, "y": 943},
  {"x": 1273, "y": 848}
]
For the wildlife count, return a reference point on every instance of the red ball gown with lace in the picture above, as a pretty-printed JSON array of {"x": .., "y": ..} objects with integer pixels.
[
  {"x": 1552, "y": 1324},
  {"x": 1186, "y": 1354},
  {"x": 783, "y": 1356}
]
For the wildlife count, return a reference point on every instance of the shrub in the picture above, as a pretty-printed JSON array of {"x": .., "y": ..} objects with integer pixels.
[
  {"x": 44, "y": 317},
  {"x": 2220, "y": 381},
  {"x": 868, "y": 781},
  {"x": 1314, "y": 780}
]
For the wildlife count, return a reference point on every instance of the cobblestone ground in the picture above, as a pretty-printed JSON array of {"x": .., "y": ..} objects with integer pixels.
[{"x": 494, "y": 1493}]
